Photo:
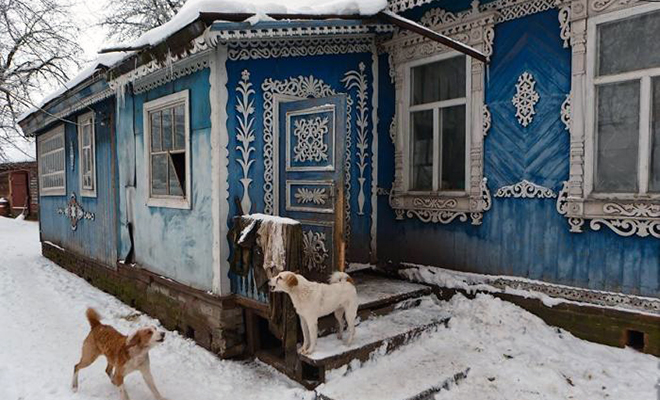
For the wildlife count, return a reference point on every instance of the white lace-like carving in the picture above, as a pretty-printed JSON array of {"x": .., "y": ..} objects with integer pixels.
[{"x": 525, "y": 99}]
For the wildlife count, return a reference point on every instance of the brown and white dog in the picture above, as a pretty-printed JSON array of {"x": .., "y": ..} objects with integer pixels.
[
  {"x": 313, "y": 300},
  {"x": 124, "y": 354}
]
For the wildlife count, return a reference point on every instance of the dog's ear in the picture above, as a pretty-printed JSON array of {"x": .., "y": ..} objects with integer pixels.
[
  {"x": 291, "y": 280},
  {"x": 137, "y": 339}
]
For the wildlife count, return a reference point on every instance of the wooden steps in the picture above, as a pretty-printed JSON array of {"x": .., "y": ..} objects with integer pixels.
[{"x": 384, "y": 333}]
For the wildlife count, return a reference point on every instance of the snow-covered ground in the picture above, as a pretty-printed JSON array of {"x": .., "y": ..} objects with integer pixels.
[{"x": 511, "y": 353}]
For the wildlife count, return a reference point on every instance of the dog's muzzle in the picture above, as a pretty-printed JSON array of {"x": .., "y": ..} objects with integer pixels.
[{"x": 162, "y": 337}]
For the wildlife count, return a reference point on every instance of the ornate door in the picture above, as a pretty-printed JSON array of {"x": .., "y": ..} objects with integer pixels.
[{"x": 311, "y": 178}]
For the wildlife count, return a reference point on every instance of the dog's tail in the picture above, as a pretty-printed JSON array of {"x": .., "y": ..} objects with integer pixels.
[
  {"x": 93, "y": 317},
  {"x": 338, "y": 277}
]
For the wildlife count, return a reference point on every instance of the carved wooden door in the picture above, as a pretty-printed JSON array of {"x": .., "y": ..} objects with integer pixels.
[{"x": 311, "y": 157}]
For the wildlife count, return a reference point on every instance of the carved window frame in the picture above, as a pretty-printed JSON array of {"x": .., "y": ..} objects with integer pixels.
[
  {"x": 624, "y": 214},
  {"x": 407, "y": 49},
  {"x": 54, "y": 157}
]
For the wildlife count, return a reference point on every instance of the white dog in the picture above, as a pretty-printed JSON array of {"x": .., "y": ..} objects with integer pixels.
[{"x": 314, "y": 300}]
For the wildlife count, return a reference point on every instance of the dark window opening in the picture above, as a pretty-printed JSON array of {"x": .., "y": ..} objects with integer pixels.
[{"x": 635, "y": 339}]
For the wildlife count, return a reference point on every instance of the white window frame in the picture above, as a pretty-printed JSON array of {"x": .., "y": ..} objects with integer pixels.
[
  {"x": 167, "y": 201},
  {"x": 87, "y": 118},
  {"x": 436, "y": 106},
  {"x": 52, "y": 191},
  {"x": 644, "y": 77}
]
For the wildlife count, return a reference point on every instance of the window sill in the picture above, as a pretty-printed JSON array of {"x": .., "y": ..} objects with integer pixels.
[
  {"x": 442, "y": 207},
  {"x": 625, "y": 215},
  {"x": 52, "y": 193},
  {"x": 88, "y": 193},
  {"x": 178, "y": 203}
]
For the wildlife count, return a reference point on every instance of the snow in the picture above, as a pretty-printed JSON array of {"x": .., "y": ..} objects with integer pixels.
[
  {"x": 511, "y": 353},
  {"x": 472, "y": 283},
  {"x": 376, "y": 289},
  {"x": 273, "y": 218},
  {"x": 42, "y": 327},
  {"x": 190, "y": 12}
]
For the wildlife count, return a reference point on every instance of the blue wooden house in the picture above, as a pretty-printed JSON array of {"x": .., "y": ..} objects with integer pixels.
[{"x": 539, "y": 161}]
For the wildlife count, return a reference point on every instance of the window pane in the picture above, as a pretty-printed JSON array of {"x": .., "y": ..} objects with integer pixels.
[
  {"x": 159, "y": 174},
  {"x": 452, "y": 130},
  {"x": 179, "y": 127},
  {"x": 176, "y": 184},
  {"x": 167, "y": 129},
  {"x": 617, "y": 138},
  {"x": 421, "y": 123},
  {"x": 630, "y": 44},
  {"x": 86, "y": 134},
  {"x": 155, "y": 131},
  {"x": 654, "y": 183},
  {"x": 441, "y": 80}
]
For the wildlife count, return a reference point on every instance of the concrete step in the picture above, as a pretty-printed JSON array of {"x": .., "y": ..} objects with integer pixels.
[{"x": 381, "y": 333}]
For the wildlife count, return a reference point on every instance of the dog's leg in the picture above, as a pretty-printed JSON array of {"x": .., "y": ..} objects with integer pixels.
[
  {"x": 313, "y": 327},
  {"x": 351, "y": 314},
  {"x": 305, "y": 331},
  {"x": 118, "y": 380},
  {"x": 108, "y": 370},
  {"x": 339, "y": 315},
  {"x": 89, "y": 355},
  {"x": 123, "y": 394},
  {"x": 145, "y": 370}
]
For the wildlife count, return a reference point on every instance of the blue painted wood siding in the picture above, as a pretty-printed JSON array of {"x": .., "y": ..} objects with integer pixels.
[
  {"x": 520, "y": 237},
  {"x": 97, "y": 239}
]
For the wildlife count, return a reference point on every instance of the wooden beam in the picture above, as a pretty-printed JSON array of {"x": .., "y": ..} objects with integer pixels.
[{"x": 407, "y": 24}]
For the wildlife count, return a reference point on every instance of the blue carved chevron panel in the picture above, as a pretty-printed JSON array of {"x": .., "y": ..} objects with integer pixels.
[{"x": 540, "y": 151}]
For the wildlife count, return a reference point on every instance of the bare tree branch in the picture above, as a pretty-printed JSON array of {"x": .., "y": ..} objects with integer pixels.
[{"x": 128, "y": 19}]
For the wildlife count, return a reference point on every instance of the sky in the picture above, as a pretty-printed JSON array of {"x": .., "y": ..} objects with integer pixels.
[{"x": 86, "y": 13}]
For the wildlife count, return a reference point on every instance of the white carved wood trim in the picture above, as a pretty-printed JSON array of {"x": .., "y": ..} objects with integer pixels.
[
  {"x": 245, "y": 135},
  {"x": 487, "y": 120},
  {"x": 525, "y": 190},
  {"x": 624, "y": 215},
  {"x": 358, "y": 80},
  {"x": 525, "y": 99}
]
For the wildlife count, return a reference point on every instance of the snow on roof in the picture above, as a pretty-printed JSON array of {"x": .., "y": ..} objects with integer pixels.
[{"x": 190, "y": 12}]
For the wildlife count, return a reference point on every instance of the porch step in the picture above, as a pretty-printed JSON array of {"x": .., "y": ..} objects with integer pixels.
[
  {"x": 382, "y": 333},
  {"x": 378, "y": 295}
]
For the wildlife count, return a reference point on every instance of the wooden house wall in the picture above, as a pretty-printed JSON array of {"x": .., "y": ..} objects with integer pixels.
[
  {"x": 520, "y": 237},
  {"x": 94, "y": 239},
  {"x": 173, "y": 242}
]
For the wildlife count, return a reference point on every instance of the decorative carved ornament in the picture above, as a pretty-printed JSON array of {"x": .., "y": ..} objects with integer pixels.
[
  {"x": 310, "y": 139},
  {"x": 525, "y": 190},
  {"x": 566, "y": 112},
  {"x": 74, "y": 212},
  {"x": 487, "y": 120},
  {"x": 315, "y": 251},
  {"x": 525, "y": 99},
  {"x": 72, "y": 157},
  {"x": 245, "y": 135},
  {"x": 316, "y": 195},
  {"x": 358, "y": 80},
  {"x": 624, "y": 218},
  {"x": 443, "y": 209},
  {"x": 565, "y": 24}
]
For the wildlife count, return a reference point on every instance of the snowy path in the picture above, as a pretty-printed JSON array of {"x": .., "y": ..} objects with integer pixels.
[
  {"x": 512, "y": 355},
  {"x": 42, "y": 326}
]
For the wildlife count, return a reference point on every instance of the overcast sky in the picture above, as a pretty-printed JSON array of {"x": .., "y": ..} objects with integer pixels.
[{"x": 86, "y": 13}]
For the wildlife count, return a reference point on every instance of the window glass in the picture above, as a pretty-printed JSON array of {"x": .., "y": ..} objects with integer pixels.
[
  {"x": 617, "y": 137},
  {"x": 159, "y": 174},
  {"x": 167, "y": 129},
  {"x": 654, "y": 179},
  {"x": 155, "y": 131},
  {"x": 630, "y": 44},
  {"x": 421, "y": 123},
  {"x": 441, "y": 80},
  {"x": 179, "y": 127},
  {"x": 452, "y": 128}
]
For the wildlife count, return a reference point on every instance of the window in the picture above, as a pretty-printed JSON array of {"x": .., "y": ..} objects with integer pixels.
[
  {"x": 437, "y": 122},
  {"x": 626, "y": 87},
  {"x": 87, "y": 155},
  {"x": 52, "y": 163},
  {"x": 166, "y": 123}
]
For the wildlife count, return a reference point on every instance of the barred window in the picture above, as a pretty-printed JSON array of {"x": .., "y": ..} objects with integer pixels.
[{"x": 52, "y": 163}]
